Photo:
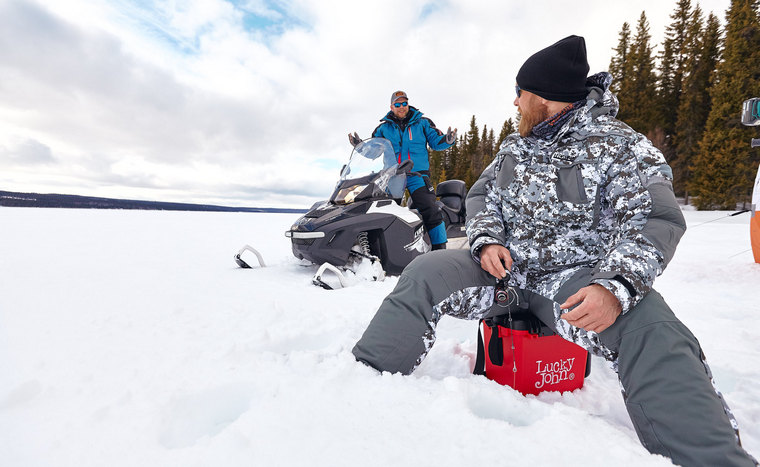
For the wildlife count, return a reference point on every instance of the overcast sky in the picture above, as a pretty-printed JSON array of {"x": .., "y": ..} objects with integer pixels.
[{"x": 248, "y": 102}]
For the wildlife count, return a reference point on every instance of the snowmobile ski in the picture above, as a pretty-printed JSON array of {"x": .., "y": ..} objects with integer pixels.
[{"x": 242, "y": 262}]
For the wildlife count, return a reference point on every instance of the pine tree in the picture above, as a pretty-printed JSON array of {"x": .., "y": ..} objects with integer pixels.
[
  {"x": 507, "y": 129},
  {"x": 473, "y": 138},
  {"x": 476, "y": 167},
  {"x": 436, "y": 166},
  {"x": 489, "y": 155},
  {"x": 469, "y": 155},
  {"x": 619, "y": 61},
  {"x": 703, "y": 54},
  {"x": 484, "y": 142},
  {"x": 638, "y": 90},
  {"x": 443, "y": 176},
  {"x": 724, "y": 169},
  {"x": 667, "y": 96},
  {"x": 678, "y": 35},
  {"x": 453, "y": 163}
]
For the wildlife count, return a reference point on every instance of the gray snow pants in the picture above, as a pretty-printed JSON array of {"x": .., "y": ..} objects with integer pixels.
[{"x": 667, "y": 386}]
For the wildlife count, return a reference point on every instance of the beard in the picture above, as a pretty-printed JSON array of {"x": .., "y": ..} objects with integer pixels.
[{"x": 530, "y": 116}]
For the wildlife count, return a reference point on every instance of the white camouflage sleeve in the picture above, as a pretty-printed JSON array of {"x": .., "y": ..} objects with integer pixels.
[{"x": 639, "y": 198}]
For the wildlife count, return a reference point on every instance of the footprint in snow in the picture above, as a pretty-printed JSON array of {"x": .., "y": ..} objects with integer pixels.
[
  {"x": 21, "y": 395},
  {"x": 192, "y": 417}
]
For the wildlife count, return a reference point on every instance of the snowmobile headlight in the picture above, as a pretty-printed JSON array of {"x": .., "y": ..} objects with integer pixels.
[
  {"x": 348, "y": 195},
  {"x": 304, "y": 235}
]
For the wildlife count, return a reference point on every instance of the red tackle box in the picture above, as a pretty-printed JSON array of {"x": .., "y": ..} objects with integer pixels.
[{"x": 528, "y": 356}]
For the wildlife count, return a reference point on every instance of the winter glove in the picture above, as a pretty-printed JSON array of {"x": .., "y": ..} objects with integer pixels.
[
  {"x": 354, "y": 139},
  {"x": 451, "y": 136}
]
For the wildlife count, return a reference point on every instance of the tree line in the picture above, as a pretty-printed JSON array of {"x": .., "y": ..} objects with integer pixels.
[
  {"x": 686, "y": 99},
  {"x": 470, "y": 154}
]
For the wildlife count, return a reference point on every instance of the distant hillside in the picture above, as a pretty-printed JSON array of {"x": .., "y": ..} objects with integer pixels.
[{"x": 37, "y": 200}]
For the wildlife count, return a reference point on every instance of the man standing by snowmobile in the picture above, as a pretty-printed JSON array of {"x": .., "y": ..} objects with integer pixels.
[
  {"x": 410, "y": 133},
  {"x": 580, "y": 208}
]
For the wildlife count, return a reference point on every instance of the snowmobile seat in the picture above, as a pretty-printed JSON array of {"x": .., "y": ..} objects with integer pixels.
[
  {"x": 451, "y": 194},
  {"x": 451, "y": 187},
  {"x": 452, "y": 202}
]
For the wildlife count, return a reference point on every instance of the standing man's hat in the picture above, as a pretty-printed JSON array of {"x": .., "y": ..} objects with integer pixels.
[
  {"x": 398, "y": 95},
  {"x": 558, "y": 72}
]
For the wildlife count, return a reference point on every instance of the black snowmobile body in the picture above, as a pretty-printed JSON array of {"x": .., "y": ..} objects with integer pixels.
[{"x": 364, "y": 218}]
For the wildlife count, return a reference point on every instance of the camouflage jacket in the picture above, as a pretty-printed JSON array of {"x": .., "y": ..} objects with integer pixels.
[{"x": 596, "y": 194}]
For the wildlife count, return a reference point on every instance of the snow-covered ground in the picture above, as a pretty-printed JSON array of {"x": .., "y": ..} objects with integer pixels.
[{"x": 130, "y": 338}]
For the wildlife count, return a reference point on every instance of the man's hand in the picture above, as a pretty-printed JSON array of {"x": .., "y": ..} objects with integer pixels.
[
  {"x": 451, "y": 136},
  {"x": 598, "y": 308},
  {"x": 491, "y": 258},
  {"x": 354, "y": 139}
]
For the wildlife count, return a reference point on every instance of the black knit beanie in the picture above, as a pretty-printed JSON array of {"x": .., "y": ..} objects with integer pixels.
[{"x": 558, "y": 72}]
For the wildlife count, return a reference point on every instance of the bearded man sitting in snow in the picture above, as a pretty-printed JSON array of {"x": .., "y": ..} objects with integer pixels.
[{"x": 580, "y": 208}]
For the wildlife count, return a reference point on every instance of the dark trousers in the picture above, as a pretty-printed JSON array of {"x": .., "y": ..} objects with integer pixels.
[{"x": 424, "y": 201}]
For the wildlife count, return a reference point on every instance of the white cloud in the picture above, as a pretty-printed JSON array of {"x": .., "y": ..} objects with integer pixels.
[
  {"x": 250, "y": 102},
  {"x": 29, "y": 152}
]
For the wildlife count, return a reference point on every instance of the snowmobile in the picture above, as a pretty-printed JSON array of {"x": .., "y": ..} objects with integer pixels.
[{"x": 364, "y": 220}]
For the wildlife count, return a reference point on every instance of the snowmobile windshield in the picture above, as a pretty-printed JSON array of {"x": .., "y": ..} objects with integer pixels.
[
  {"x": 369, "y": 157},
  {"x": 371, "y": 173}
]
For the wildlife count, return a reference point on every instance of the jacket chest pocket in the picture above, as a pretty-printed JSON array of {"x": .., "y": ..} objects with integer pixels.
[
  {"x": 570, "y": 185},
  {"x": 505, "y": 173},
  {"x": 577, "y": 188}
]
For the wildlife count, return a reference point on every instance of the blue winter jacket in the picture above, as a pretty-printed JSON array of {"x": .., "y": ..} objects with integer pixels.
[{"x": 411, "y": 141}]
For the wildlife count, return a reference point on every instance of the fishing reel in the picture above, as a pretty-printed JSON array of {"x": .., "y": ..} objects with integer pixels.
[{"x": 504, "y": 295}]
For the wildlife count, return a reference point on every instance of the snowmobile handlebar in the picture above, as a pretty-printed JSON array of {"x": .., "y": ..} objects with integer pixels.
[{"x": 406, "y": 167}]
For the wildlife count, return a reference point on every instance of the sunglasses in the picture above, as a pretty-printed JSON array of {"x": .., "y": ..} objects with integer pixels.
[
  {"x": 517, "y": 90},
  {"x": 400, "y": 104}
]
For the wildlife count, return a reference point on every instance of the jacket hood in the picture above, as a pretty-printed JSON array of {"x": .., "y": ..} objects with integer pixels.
[{"x": 600, "y": 100}]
